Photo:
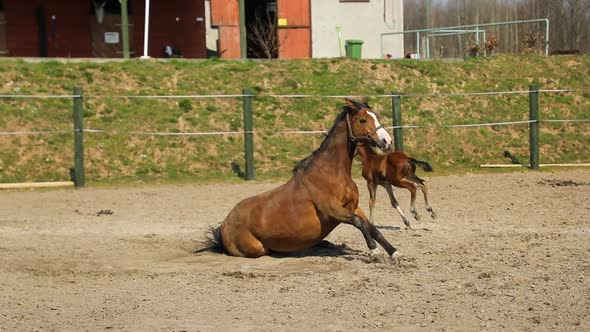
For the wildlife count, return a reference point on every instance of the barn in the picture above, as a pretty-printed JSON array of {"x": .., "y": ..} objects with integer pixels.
[
  {"x": 92, "y": 28},
  {"x": 305, "y": 28},
  {"x": 288, "y": 20},
  {"x": 197, "y": 28}
]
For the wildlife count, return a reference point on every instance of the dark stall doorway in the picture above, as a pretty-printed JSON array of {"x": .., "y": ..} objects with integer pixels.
[
  {"x": 3, "y": 43},
  {"x": 105, "y": 28},
  {"x": 261, "y": 29},
  {"x": 42, "y": 31}
]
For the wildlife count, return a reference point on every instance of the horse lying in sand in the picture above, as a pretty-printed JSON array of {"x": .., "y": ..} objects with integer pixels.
[{"x": 320, "y": 196}]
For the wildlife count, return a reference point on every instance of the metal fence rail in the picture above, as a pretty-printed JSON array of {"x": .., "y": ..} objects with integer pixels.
[{"x": 432, "y": 32}]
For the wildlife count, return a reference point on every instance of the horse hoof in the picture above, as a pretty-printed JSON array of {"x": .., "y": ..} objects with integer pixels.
[
  {"x": 375, "y": 256},
  {"x": 407, "y": 223},
  {"x": 396, "y": 256}
]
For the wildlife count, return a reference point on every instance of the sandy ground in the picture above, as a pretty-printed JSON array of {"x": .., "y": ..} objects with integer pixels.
[{"x": 508, "y": 252}]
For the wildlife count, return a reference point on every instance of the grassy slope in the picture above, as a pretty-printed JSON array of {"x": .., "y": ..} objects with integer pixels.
[{"x": 118, "y": 157}]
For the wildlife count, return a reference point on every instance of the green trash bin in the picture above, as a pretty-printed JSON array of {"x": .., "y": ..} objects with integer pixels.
[{"x": 354, "y": 48}]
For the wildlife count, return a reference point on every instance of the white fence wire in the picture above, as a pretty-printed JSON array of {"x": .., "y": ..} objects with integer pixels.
[
  {"x": 198, "y": 96},
  {"x": 285, "y": 132}
]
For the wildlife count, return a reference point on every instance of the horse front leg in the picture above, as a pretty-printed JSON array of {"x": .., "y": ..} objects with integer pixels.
[
  {"x": 372, "y": 186},
  {"x": 376, "y": 234},
  {"x": 360, "y": 222},
  {"x": 396, "y": 206}
]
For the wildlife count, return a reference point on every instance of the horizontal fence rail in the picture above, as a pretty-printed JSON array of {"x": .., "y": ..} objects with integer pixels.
[
  {"x": 213, "y": 96},
  {"x": 32, "y": 132},
  {"x": 284, "y": 132},
  {"x": 247, "y": 96},
  {"x": 41, "y": 96}
]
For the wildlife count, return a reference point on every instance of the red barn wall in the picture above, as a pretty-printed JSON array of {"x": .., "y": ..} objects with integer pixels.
[
  {"x": 226, "y": 16},
  {"x": 171, "y": 23},
  {"x": 22, "y": 31},
  {"x": 68, "y": 29},
  {"x": 68, "y": 32},
  {"x": 295, "y": 37},
  {"x": 229, "y": 42},
  {"x": 225, "y": 13}
]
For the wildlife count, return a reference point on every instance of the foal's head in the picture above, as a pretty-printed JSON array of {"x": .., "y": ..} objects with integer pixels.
[{"x": 364, "y": 127}]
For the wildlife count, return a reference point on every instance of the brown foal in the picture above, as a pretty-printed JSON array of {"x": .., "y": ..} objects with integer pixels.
[
  {"x": 320, "y": 196},
  {"x": 397, "y": 169}
]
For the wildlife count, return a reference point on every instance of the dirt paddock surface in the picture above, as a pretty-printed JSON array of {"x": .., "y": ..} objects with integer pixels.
[{"x": 507, "y": 252}]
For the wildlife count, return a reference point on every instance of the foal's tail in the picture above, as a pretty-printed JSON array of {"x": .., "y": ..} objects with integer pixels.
[
  {"x": 212, "y": 241},
  {"x": 424, "y": 165}
]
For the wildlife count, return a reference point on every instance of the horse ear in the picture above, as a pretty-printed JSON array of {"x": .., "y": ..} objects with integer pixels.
[
  {"x": 353, "y": 105},
  {"x": 350, "y": 103}
]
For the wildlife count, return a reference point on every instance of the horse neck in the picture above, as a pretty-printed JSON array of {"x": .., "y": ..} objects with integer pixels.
[
  {"x": 338, "y": 150},
  {"x": 367, "y": 155}
]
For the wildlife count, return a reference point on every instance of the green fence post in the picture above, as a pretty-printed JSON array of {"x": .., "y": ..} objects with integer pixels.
[
  {"x": 534, "y": 126},
  {"x": 125, "y": 28},
  {"x": 78, "y": 175},
  {"x": 242, "y": 29},
  {"x": 248, "y": 135},
  {"x": 397, "y": 122}
]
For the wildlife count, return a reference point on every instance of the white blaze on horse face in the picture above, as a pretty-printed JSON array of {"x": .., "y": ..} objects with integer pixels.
[{"x": 382, "y": 134}]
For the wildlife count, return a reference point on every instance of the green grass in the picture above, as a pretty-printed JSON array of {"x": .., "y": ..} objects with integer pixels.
[{"x": 117, "y": 157}]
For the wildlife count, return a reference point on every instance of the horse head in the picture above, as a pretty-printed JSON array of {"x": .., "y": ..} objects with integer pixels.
[{"x": 364, "y": 127}]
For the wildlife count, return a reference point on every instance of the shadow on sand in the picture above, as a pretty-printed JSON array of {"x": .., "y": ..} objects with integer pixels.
[
  {"x": 322, "y": 249},
  {"x": 388, "y": 228}
]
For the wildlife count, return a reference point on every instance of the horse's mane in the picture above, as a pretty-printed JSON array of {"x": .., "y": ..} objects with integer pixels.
[{"x": 304, "y": 163}]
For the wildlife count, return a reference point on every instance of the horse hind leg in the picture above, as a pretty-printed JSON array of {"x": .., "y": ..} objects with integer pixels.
[
  {"x": 396, "y": 206},
  {"x": 424, "y": 187},
  {"x": 250, "y": 246},
  {"x": 412, "y": 187},
  {"x": 242, "y": 243}
]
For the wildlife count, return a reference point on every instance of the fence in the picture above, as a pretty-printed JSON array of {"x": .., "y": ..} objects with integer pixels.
[
  {"x": 78, "y": 170},
  {"x": 423, "y": 36}
]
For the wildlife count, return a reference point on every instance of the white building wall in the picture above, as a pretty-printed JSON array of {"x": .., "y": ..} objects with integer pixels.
[
  {"x": 358, "y": 20},
  {"x": 212, "y": 33}
]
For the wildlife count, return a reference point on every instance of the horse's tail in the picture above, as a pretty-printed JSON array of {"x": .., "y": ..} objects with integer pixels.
[
  {"x": 213, "y": 241},
  {"x": 424, "y": 165}
]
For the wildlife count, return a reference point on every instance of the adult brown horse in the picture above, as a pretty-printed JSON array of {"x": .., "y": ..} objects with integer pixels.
[
  {"x": 398, "y": 169},
  {"x": 320, "y": 196}
]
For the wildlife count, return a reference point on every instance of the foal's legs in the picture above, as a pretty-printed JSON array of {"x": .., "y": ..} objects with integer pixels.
[
  {"x": 395, "y": 204},
  {"x": 424, "y": 187},
  {"x": 372, "y": 186},
  {"x": 411, "y": 186}
]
